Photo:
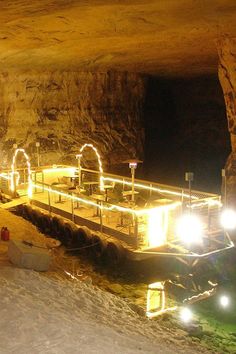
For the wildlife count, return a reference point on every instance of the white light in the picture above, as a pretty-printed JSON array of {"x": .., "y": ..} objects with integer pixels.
[
  {"x": 189, "y": 229},
  {"x": 15, "y": 182},
  {"x": 228, "y": 219},
  {"x": 157, "y": 227},
  {"x": 224, "y": 301},
  {"x": 133, "y": 165},
  {"x": 99, "y": 162},
  {"x": 186, "y": 314}
]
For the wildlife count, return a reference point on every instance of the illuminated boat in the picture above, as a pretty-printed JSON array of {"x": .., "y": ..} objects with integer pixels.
[{"x": 134, "y": 217}]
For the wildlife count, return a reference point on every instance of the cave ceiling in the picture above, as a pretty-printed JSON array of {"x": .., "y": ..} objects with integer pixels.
[{"x": 165, "y": 38}]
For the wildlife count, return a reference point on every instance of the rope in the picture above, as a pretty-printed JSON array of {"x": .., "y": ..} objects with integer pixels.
[
  {"x": 31, "y": 244},
  {"x": 88, "y": 246}
]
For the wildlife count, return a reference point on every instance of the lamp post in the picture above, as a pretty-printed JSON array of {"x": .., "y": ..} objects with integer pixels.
[
  {"x": 14, "y": 174},
  {"x": 78, "y": 157},
  {"x": 223, "y": 174},
  {"x": 37, "y": 144},
  {"x": 133, "y": 163},
  {"x": 189, "y": 178}
]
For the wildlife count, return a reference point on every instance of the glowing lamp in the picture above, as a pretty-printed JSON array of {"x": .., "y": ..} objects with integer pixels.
[
  {"x": 186, "y": 315},
  {"x": 224, "y": 301},
  {"x": 228, "y": 219},
  {"x": 189, "y": 229},
  {"x": 37, "y": 144},
  {"x": 133, "y": 165}
]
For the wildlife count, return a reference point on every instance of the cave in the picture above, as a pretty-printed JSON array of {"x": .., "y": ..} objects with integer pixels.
[
  {"x": 118, "y": 176},
  {"x": 146, "y": 80},
  {"x": 186, "y": 130}
]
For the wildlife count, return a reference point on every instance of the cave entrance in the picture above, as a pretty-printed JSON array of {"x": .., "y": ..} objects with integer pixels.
[{"x": 185, "y": 130}]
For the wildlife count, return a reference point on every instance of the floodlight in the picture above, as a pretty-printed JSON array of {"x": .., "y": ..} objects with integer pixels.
[
  {"x": 224, "y": 301},
  {"x": 189, "y": 229},
  {"x": 228, "y": 219},
  {"x": 186, "y": 314}
]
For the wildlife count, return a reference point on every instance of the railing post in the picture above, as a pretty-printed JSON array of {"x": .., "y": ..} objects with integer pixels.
[
  {"x": 35, "y": 181},
  {"x": 182, "y": 201},
  {"x": 101, "y": 222},
  {"x": 49, "y": 201},
  {"x": 72, "y": 208},
  {"x": 208, "y": 217},
  {"x": 43, "y": 181},
  {"x": 150, "y": 191},
  {"x": 136, "y": 230}
]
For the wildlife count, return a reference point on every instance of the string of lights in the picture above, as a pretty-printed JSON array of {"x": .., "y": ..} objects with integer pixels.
[
  {"x": 15, "y": 176},
  {"x": 99, "y": 162}
]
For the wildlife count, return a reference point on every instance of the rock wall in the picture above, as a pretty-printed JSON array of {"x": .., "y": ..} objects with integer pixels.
[
  {"x": 63, "y": 110},
  {"x": 227, "y": 76}
]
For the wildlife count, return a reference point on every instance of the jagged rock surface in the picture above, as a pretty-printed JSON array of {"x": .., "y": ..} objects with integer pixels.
[
  {"x": 63, "y": 110},
  {"x": 227, "y": 75}
]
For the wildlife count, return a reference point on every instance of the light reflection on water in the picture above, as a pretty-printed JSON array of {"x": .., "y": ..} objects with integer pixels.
[{"x": 166, "y": 296}]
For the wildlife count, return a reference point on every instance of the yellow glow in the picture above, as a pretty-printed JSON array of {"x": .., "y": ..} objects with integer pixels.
[
  {"x": 4, "y": 176},
  {"x": 190, "y": 229},
  {"x": 15, "y": 181},
  {"x": 59, "y": 169},
  {"x": 157, "y": 227},
  {"x": 99, "y": 163},
  {"x": 106, "y": 207},
  {"x": 156, "y": 300},
  {"x": 142, "y": 186},
  {"x": 210, "y": 203}
]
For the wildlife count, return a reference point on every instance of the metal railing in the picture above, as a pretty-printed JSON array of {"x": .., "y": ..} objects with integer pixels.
[{"x": 127, "y": 222}]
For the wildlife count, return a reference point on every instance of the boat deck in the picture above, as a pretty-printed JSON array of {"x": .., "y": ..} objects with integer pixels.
[{"x": 149, "y": 216}]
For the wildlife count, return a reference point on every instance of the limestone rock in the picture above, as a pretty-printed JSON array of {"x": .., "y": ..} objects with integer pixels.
[
  {"x": 174, "y": 37},
  {"x": 25, "y": 256},
  {"x": 227, "y": 76},
  {"x": 63, "y": 110}
]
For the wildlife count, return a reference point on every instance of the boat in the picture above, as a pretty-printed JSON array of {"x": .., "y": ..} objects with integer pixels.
[{"x": 121, "y": 216}]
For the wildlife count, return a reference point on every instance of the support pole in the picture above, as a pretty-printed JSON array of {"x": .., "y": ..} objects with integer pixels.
[
  {"x": 136, "y": 230},
  {"x": 37, "y": 148},
  {"x": 49, "y": 202},
  {"x": 101, "y": 221},
  {"x": 189, "y": 178},
  {"x": 132, "y": 175},
  {"x": 72, "y": 208},
  {"x": 223, "y": 174}
]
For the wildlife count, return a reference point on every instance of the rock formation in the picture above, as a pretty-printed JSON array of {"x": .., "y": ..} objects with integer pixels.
[
  {"x": 63, "y": 110},
  {"x": 227, "y": 75}
]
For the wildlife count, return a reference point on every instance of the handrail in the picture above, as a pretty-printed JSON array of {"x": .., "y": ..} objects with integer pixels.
[
  {"x": 200, "y": 194},
  {"x": 175, "y": 188}
]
